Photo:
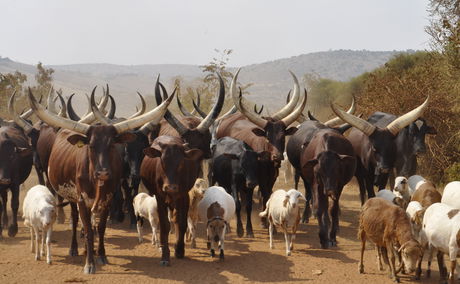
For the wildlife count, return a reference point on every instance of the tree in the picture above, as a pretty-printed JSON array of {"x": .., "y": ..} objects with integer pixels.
[
  {"x": 9, "y": 83},
  {"x": 444, "y": 28}
]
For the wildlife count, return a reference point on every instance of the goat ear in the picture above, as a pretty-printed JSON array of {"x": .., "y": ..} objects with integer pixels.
[
  {"x": 301, "y": 197},
  {"x": 286, "y": 200}
]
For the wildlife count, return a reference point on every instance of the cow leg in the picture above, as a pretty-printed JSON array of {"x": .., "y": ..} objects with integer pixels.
[
  {"x": 13, "y": 228},
  {"x": 116, "y": 209},
  {"x": 2, "y": 205},
  {"x": 249, "y": 193},
  {"x": 101, "y": 256},
  {"x": 73, "y": 251},
  {"x": 128, "y": 204},
  {"x": 322, "y": 216},
  {"x": 334, "y": 213},
  {"x": 164, "y": 231},
  {"x": 239, "y": 223},
  {"x": 296, "y": 179},
  {"x": 307, "y": 211},
  {"x": 180, "y": 212},
  {"x": 4, "y": 209},
  {"x": 85, "y": 215}
]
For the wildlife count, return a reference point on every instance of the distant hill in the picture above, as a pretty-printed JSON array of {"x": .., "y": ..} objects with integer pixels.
[{"x": 271, "y": 79}]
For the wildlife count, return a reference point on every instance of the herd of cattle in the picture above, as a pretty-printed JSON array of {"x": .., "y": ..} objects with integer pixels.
[{"x": 97, "y": 162}]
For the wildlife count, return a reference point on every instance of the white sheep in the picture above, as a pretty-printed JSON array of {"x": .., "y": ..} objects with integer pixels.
[
  {"x": 441, "y": 232},
  {"x": 283, "y": 210},
  {"x": 196, "y": 194},
  {"x": 414, "y": 182},
  {"x": 451, "y": 194},
  {"x": 145, "y": 206},
  {"x": 217, "y": 208},
  {"x": 393, "y": 197},
  {"x": 415, "y": 212},
  {"x": 39, "y": 213}
]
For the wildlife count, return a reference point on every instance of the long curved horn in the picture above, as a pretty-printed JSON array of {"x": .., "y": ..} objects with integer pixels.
[
  {"x": 258, "y": 111},
  {"x": 152, "y": 117},
  {"x": 54, "y": 120},
  {"x": 235, "y": 95},
  {"x": 182, "y": 108},
  {"x": 90, "y": 118},
  {"x": 289, "y": 108},
  {"x": 215, "y": 111},
  {"x": 198, "y": 102},
  {"x": 141, "y": 111},
  {"x": 50, "y": 101},
  {"x": 97, "y": 113},
  {"x": 336, "y": 120},
  {"x": 288, "y": 97},
  {"x": 70, "y": 111},
  {"x": 196, "y": 106},
  {"x": 29, "y": 112},
  {"x": 396, "y": 125},
  {"x": 357, "y": 122},
  {"x": 62, "y": 111},
  {"x": 24, "y": 124},
  {"x": 113, "y": 108},
  {"x": 288, "y": 120},
  {"x": 170, "y": 118},
  {"x": 257, "y": 120}
]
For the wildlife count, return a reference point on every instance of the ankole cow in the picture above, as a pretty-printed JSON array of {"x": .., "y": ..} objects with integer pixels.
[
  {"x": 85, "y": 168},
  {"x": 263, "y": 133}
]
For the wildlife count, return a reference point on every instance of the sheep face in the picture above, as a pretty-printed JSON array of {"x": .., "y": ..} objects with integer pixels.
[
  {"x": 411, "y": 253},
  {"x": 47, "y": 215},
  {"x": 216, "y": 229},
  {"x": 401, "y": 184},
  {"x": 292, "y": 197}
]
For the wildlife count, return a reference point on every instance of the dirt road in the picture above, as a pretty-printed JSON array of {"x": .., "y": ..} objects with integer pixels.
[{"x": 247, "y": 260}]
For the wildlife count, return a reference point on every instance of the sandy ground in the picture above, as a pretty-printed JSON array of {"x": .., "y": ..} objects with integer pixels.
[{"x": 247, "y": 260}]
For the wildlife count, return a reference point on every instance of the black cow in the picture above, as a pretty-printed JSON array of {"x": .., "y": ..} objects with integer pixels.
[
  {"x": 409, "y": 143},
  {"x": 234, "y": 167}
]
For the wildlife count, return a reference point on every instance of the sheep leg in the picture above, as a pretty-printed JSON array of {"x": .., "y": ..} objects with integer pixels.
[
  {"x": 139, "y": 223},
  {"x": 270, "y": 230},
  {"x": 48, "y": 244},
  {"x": 31, "y": 239},
  {"x": 453, "y": 264},
  {"x": 379, "y": 257},
  {"x": 42, "y": 248},
  {"x": 362, "y": 236},
  {"x": 73, "y": 251},
  {"x": 221, "y": 247},
  {"x": 441, "y": 265},
  {"x": 37, "y": 243},
  {"x": 287, "y": 238},
  {"x": 389, "y": 248}
]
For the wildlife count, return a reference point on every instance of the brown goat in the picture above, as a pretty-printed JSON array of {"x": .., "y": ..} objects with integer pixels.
[
  {"x": 426, "y": 194},
  {"x": 388, "y": 227}
]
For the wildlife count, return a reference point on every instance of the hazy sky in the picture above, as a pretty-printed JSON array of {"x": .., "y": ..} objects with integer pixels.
[{"x": 181, "y": 31}]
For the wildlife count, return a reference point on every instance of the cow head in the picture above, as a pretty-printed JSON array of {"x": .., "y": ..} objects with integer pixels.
[
  {"x": 328, "y": 169},
  {"x": 134, "y": 154},
  {"x": 172, "y": 152},
  {"x": 10, "y": 154},
  {"x": 417, "y": 131},
  {"x": 247, "y": 164},
  {"x": 383, "y": 148},
  {"x": 274, "y": 128},
  {"x": 99, "y": 141},
  {"x": 198, "y": 137}
]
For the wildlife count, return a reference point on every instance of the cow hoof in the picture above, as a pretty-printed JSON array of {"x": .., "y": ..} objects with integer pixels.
[
  {"x": 73, "y": 252},
  {"x": 333, "y": 243},
  {"x": 89, "y": 269},
  {"x": 239, "y": 232},
  {"x": 102, "y": 260},
  {"x": 250, "y": 235},
  {"x": 12, "y": 230},
  {"x": 213, "y": 253},
  {"x": 325, "y": 245},
  {"x": 221, "y": 255},
  {"x": 179, "y": 252},
  {"x": 164, "y": 263}
]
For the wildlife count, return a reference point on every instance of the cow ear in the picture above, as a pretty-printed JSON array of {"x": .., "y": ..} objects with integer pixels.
[
  {"x": 264, "y": 155},
  {"x": 194, "y": 154},
  {"x": 310, "y": 164},
  {"x": 77, "y": 139},
  {"x": 125, "y": 137},
  {"x": 23, "y": 151},
  {"x": 290, "y": 131},
  {"x": 231, "y": 156},
  {"x": 152, "y": 152},
  {"x": 431, "y": 130},
  {"x": 258, "y": 132}
]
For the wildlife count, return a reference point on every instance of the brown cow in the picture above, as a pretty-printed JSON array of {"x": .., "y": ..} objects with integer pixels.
[
  {"x": 327, "y": 163},
  {"x": 263, "y": 133},
  {"x": 85, "y": 167},
  {"x": 169, "y": 171}
]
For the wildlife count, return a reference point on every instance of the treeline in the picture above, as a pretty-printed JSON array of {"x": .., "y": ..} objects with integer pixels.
[{"x": 397, "y": 87}]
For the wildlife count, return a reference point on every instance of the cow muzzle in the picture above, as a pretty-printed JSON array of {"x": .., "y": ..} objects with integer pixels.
[
  {"x": 5, "y": 181},
  {"x": 102, "y": 175}
]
